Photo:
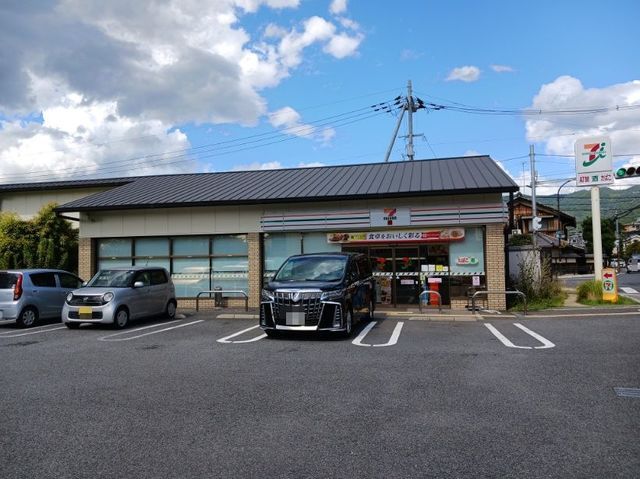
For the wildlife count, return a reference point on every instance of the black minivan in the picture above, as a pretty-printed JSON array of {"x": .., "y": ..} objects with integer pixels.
[{"x": 318, "y": 292}]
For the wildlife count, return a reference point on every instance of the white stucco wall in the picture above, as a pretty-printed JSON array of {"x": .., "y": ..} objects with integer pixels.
[
  {"x": 238, "y": 219},
  {"x": 27, "y": 204}
]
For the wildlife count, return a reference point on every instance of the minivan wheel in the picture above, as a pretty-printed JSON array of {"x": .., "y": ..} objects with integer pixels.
[
  {"x": 348, "y": 323},
  {"x": 170, "y": 310},
  {"x": 28, "y": 317},
  {"x": 122, "y": 319},
  {"x": 371, "y": 309}
]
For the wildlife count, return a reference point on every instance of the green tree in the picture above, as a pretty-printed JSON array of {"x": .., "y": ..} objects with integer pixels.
[
  {"x": 46, "y": 241},
  {"x": 608, "y": 230}
]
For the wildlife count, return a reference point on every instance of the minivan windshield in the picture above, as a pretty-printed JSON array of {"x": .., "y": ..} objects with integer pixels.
[
  {"x": 112, "y": 278},
  {"x": 8, "y": 280},
  {"x": 312, "y": 268}
]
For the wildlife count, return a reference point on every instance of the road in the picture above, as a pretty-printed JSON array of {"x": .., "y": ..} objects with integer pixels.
[{"x": 202, "y": 397}]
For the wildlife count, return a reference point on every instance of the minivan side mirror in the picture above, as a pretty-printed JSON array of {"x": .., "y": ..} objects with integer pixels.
[{"x": 138, "y": 284}]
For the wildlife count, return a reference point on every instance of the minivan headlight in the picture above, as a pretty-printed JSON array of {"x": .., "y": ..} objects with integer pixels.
[
  {"x": 267, "y": 295},
  {"x": 106, "y": 297},
  {"x": 69, "y": 297},
  {"x": 332, "y": 295}
]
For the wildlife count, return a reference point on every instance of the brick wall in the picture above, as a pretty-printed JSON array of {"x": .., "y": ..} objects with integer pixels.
[
  {"x": 86, "y": 257},
  {"x": 254, "y": 244},
  {"x": 494, "y": 250}
]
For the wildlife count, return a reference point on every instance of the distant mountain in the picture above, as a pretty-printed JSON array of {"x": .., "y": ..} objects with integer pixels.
[{"x": 612, "y": 202}]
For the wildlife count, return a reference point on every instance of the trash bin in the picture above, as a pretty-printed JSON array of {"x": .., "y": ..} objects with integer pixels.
[{"x": 217, "y": 298}]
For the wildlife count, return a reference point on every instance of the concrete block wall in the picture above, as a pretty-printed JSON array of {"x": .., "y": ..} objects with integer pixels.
[{"x": 494, "y": 251}]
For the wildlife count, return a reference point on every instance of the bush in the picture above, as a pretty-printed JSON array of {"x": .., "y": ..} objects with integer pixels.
[
  {"x": 590, "y": 291},
  {"x": 520, "y": 240},
  {"x": 536, "y": 281}
]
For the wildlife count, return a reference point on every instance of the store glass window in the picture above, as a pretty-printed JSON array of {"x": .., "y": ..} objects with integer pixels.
[
  {"x": 277, "y": 248},
  {"x": 230, "y": 273},
  {"x": 114, "y": 248},
  {"x": 317, "y": 243},
  {"x": 152, "y": 247},
  {"x": 197, "y": 246},
  {"x": 190, "y": 276},
  {"x": 229, "y": 245},
  {"x": 104, "y": 263}
]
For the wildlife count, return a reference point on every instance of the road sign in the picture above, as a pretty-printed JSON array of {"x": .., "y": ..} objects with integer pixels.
[
  {"x": 609, "y": 285},
  {"x": 536, "y": 223},
  {"x": 594, "y": 161}
]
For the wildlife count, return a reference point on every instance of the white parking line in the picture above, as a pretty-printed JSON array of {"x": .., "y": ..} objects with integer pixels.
[
  {"x": 546, "y": 344},
  {"x": 628, "y": 290},
  {"x": 225, "y": 340},
  {"x": 109, "y": 338},
  {"x": 392, "y": 341},
  {"x": 15, "y": 334}
]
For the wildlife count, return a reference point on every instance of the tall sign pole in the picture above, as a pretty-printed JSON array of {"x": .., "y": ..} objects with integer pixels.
[
  {"x": 534, "y": 205},
  {"x": 594, "y": 167}
]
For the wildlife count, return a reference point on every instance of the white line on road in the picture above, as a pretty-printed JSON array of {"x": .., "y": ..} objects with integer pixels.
[
  {"x": 392, "y": 341},
  {"x": 225, "y": 340},
  {"x": 109, "y": 338},
  {"x": 503, "y": 339},
  {"x": 14, "y": 334},
  {"x": 628, "y": 290},
  {"x": 546, "y": 344}
]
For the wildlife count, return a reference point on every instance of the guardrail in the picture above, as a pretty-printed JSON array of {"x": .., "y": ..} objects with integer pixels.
[
  {"x": 428, "y": 291},
  {"x": 221, "y": 292},
  {"x": 487, "y": 292}
]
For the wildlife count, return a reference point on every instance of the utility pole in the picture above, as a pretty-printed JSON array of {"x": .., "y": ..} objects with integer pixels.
[
  {"x": 410, "y": 152},
  {"x": 408, "y": 105},
  {"x": 532, "y": 161}
]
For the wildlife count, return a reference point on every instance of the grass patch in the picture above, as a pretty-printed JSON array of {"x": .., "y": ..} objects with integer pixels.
[
  {"x": 539, "y": 304},
  {"x": 621, "y": 300},
  {"x": 590, "y": 294}
]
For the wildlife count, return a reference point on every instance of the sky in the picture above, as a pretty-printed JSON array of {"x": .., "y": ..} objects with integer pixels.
[{"x": 93, "y": 89}]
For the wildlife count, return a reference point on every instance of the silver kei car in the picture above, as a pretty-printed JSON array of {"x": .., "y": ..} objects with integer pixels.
[{"x": 117, "y": 295}]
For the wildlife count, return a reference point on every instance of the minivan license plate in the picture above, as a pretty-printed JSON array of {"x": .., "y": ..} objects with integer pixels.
[{"x": 295, "y": 318}]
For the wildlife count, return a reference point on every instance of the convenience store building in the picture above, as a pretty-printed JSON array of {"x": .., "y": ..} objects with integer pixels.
[{"x": 438, "y": 223}]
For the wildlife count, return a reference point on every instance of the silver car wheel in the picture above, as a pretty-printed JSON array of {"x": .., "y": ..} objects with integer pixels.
[
  {"x": 28, "y": 317},
  {"x": 122, "y": 318},
  {"x": 171, "y": 310}
]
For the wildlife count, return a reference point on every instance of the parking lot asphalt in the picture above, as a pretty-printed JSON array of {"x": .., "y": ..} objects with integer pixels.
[{"x": 209, "y": 397}]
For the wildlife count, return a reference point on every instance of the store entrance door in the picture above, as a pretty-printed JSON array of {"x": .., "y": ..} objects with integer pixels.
[{"x": 397, "y": 272}]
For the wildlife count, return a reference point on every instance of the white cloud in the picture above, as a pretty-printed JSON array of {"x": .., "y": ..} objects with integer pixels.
[
  {"x": 502, "y": 68},
  {"x": 189, "y": 62},
  {"x": 289, "y": 121},
  {"x": 338, "y": 6},
  {"x": 465, "y": 74},
  {"x": 560, "y": 132},
  {"x": 471, "y": 153},
  {"x": 273, "y": 165},
  {"x": 408, "y": 54}
]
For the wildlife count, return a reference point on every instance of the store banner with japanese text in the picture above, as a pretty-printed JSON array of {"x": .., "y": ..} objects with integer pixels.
[{"x": 424, "y": 236}]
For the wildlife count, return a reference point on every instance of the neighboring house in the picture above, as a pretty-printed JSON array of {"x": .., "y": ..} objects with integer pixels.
[
  {"x": 26, "y": 199},
  {"x": 567, "y": 256}
]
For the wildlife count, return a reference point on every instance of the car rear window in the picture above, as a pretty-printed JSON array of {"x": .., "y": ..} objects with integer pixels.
[
  {"x": 158, "y": 277},
  {"x": 8, "y": 280}
]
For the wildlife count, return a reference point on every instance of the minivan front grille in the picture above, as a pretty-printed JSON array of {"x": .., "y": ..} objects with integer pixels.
[
  {"x": 297, "y": 301},
  {"x": 86, "y": 300}
]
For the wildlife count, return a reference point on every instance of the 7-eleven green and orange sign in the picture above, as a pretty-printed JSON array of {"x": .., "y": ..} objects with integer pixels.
[{"x": 594, "y": 161}]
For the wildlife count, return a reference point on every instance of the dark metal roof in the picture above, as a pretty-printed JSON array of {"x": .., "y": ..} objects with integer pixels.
[
  {"x": 68, "y": 184},
  {"x": 468, "y": 175}
]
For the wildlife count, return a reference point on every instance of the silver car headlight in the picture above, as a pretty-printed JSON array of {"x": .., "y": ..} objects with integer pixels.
[
  {"x": 267, "y": 295},
  {"x": 106, "y": 297},
  {"x": 69, "y": 297},
  {"x": 332, "y": 295}
]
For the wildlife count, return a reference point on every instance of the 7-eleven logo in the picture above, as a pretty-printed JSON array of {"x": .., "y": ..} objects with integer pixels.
[
  {"x": 390, "y": 215},
  {"x": 594, "y": 151}
]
